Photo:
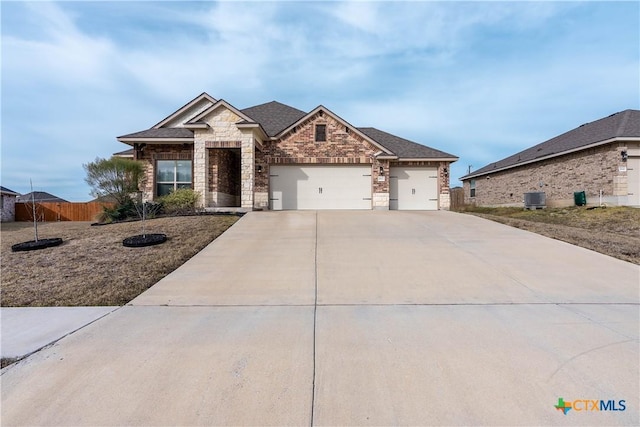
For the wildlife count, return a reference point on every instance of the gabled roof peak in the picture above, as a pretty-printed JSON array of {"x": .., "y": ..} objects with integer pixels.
[{"x": 203, "y": 98}]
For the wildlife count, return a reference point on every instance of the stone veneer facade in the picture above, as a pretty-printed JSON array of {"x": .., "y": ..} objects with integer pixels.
[
  {"x": 223, "y": 134},
  {"x": 590, "y": 170}
]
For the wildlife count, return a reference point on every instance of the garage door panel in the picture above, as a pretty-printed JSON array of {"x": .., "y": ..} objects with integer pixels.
[
  {"x": 413, "y": 188},
  {"x": 320, "y": 187}
]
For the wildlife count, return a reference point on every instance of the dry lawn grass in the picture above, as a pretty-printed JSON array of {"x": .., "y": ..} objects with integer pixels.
[
  {"x": 92, "y": 267},
  {"x": 613, "y": 231}
]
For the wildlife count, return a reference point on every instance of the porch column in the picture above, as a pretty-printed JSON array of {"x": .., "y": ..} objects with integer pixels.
[
  {"x": 247, "y": 161},
  {"x": 380, "y": 184},
  {"x": 201, "y": 172}
]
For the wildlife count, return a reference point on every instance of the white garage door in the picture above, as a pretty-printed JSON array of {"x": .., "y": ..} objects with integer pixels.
[
  {"x": 320, "y": 187},
  {"x": 413, "y": 188},
  {"x": 633, "y": 181}
]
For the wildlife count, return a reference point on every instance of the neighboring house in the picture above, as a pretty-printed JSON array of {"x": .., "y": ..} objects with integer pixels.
[
  {"x": 40, "y": 197},
  {"x": 273, "y": 156},
  {"x": 127, "y": 154},
  {"x": 7, "y": 204},
  {"x": 601, "y": 158}
]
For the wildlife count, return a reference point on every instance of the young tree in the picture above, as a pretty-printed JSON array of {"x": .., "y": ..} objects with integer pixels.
[{"x": 117, "y": 177}]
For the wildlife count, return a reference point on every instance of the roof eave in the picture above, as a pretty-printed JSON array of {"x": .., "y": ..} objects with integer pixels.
[
  {"x": 428, "y": 159},
  {"x": 550, "y": 156},
  {"x": 221, "y": 103},
  {"x": 195, "y": 126},
  {"x": 254, "y": 126},
  {"x": 133, "y": 140}
]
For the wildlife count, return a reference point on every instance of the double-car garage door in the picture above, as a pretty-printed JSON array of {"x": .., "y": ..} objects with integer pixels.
[
  {"x": 349, "y": 187},
  {"x": 320, "y": 187}
]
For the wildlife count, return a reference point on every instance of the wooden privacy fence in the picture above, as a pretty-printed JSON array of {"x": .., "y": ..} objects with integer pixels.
[
  {"x": 67, "y": 211},
  {"x": 457, "y": 198}
]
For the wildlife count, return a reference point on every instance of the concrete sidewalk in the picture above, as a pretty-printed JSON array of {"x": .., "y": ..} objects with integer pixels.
[
  {"x": 28, "y": 329},
  {"x": 353, "y": 318}
]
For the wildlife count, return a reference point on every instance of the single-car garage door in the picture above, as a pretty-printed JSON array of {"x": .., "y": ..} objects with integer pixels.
[
  {"x": 413, "y": 188},
  {"x": 320, "y": 187}
]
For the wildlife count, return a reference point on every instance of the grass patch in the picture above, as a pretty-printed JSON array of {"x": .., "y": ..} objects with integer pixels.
[
  {"x": 6, "y": 361},
  {"x": 613, "y": 231},
  {"x": 92, "y": 267}
]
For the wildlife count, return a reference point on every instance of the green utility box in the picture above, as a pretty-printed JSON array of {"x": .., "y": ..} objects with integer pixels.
[{"x": 580, "y": 198}]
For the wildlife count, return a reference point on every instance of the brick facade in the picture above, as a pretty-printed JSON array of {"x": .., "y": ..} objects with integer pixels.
[
  {"x": 590, "y": 170},
  {"x": 224, "y": 177},
  {"x": 149, "y": 154},
  {"x": 342, "y": 145}
]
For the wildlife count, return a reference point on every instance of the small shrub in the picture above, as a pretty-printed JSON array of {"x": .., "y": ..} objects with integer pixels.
[
  {"x": 183, "y": 201},
  {"x": 119, "y": 212},
  {"x": 103, "y": 217}
]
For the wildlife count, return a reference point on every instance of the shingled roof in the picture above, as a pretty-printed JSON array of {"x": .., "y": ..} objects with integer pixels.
[
  {"x": 619, "y": 125},
  {"x": 168, "y": 133},
  {"x": 274, "y": 116},
  {"x": 5, "y": 190},
  {"x": 403, "y": 148},
  {"x": 39, "y": 196}
]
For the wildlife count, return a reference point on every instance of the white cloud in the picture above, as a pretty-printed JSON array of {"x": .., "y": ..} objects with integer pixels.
[
  {"x": 63, "y": 55},
  {"x": 477, "y": 79}
]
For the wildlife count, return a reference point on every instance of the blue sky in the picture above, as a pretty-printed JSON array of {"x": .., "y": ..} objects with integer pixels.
[{"x": 481, "y": 80}]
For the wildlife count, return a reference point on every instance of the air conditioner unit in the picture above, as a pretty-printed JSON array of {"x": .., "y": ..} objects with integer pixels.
[{"x": 534, "y": 200}]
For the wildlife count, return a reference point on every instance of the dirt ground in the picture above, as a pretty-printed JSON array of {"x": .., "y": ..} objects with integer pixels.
[
  {"x": 92, "y": 267},
  {"x": 613, "y": 231}
]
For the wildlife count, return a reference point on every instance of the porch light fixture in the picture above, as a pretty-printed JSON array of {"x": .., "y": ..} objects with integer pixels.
[
  {"x": 624, "y": 155},
  {"x": 259, "y": 168},
  {"x": 381, "y": 170}
]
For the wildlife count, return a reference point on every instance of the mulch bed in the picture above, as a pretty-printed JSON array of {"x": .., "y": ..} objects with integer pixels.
[{"x": 33, "y": 245}]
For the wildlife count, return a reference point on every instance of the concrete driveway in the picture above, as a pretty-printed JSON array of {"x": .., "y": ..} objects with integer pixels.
[{"x": 354, "y": 318}]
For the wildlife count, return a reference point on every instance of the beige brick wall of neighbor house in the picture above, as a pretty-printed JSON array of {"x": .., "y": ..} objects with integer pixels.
[
  {"x": 591, "y": 170},
  {"x": 8, "y": 211}
]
